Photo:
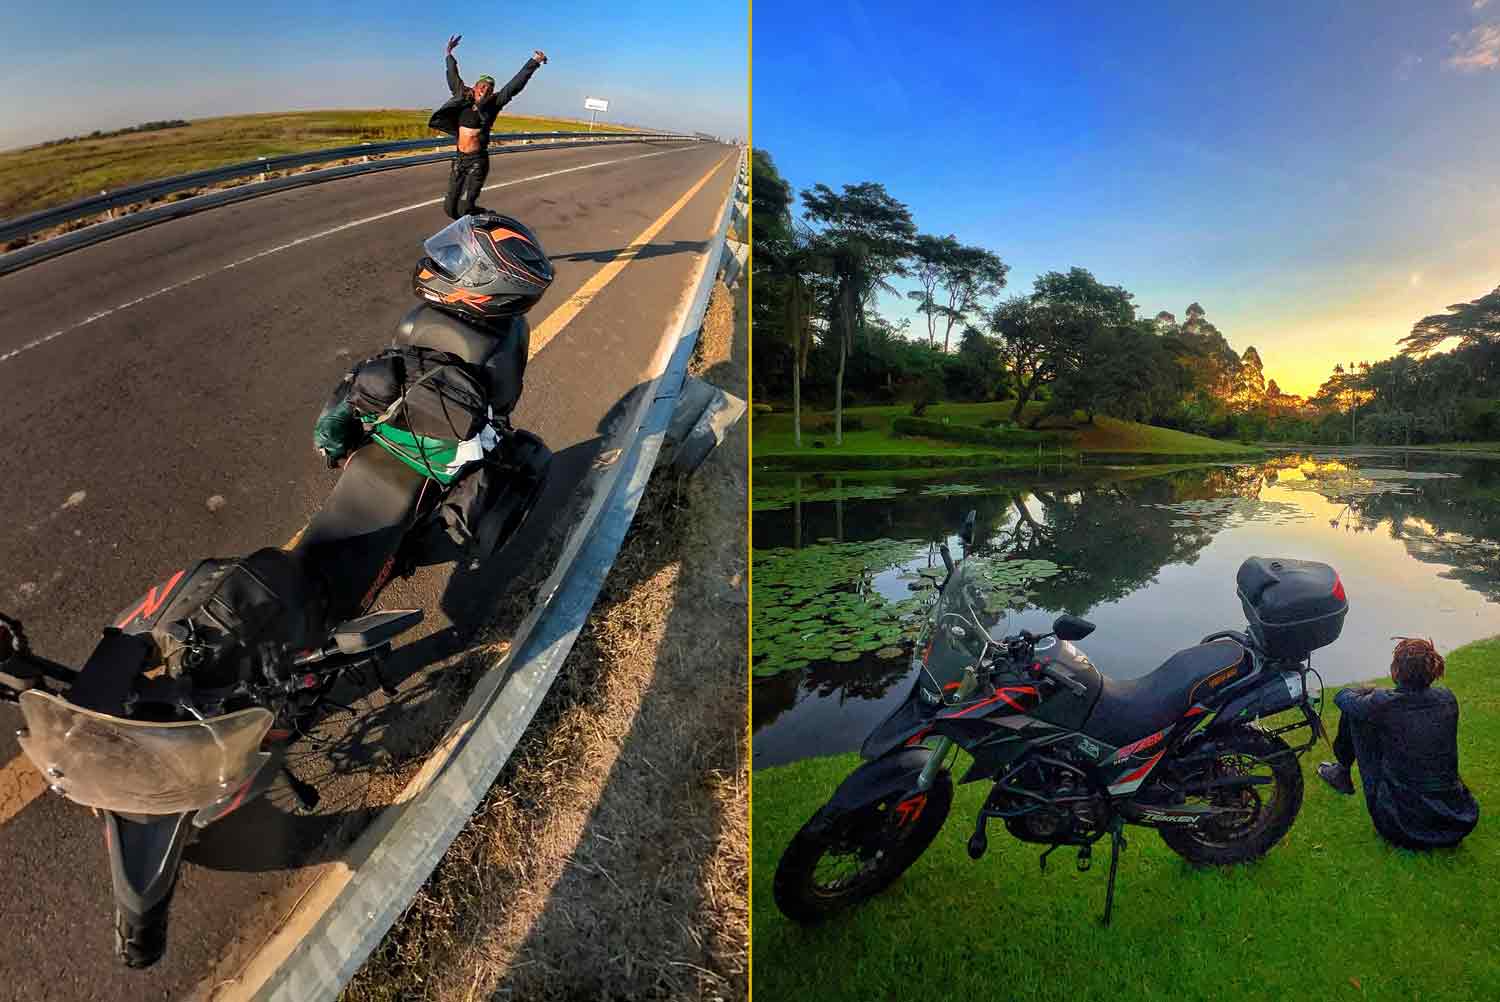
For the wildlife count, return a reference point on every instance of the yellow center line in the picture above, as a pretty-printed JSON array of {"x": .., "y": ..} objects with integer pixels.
[
  {"x": 20, "y": 783},
  {"x": 575, "y": 304}
]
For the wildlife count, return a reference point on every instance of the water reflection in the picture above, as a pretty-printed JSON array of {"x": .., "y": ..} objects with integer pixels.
[{"x": 1150, "y": 558}]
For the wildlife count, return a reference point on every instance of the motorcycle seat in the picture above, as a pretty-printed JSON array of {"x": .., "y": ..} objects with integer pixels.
[
  {"x": 360, "y": 527},
  {"x": 1134, "y": 708},
  {"x": 501, "y": 354}
]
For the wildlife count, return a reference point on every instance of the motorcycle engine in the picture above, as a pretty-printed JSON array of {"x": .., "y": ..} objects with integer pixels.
[{"x": 1065, "y": 820}]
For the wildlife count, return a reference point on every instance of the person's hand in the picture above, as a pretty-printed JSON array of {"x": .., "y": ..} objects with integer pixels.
[
  {"x": 539, "y": 56},
  {"x": 452, "y": 44}
]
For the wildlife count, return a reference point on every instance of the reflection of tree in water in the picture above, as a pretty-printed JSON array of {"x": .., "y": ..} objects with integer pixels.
[
  {"x": 1450, "y": 522},
  {"x": 1109, "y": 538}
]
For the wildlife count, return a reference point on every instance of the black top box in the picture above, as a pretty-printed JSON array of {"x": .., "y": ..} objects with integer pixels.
[{"x": 1293, "y": 606}]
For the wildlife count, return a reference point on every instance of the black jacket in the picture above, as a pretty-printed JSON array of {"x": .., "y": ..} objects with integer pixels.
[
  {"x": 445, "y": 119},
  {"x": 1407, "y": 745}
]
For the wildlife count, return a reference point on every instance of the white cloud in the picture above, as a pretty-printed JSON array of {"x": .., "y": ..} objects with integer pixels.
[
  {"x": 1481, "y": 4},
  {"x": 1478, "y": 49}
]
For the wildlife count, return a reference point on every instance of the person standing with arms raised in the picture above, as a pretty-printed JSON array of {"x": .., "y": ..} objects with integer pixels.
[{"x": 468, "y": 115}]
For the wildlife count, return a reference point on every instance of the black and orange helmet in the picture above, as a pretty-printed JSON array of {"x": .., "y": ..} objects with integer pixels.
[{"x": 484, "y": 266}]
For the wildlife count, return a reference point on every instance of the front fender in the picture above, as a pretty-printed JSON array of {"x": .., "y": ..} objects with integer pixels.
[{"x": 890, "y": 774}]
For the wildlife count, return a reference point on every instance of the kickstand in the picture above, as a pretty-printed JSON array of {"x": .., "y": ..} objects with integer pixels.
[
  {"x": 1116, "y": 844},
  {"x": 305, "y": 793},
  {"x": 1050, "y": 850}
]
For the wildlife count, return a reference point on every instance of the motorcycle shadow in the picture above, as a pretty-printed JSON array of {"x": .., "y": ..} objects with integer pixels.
[{"x": 359, "y": 761}]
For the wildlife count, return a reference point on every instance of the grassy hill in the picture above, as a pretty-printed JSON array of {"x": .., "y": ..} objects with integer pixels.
[
  {"x": 969, "y": 435},
  {"x": 39, "y": 177}
]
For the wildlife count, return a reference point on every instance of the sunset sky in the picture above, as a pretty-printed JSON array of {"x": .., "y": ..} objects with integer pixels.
[{"x": 1318, "y": 176}]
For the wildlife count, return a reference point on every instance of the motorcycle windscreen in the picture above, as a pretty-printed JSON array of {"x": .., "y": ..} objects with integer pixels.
[
  {"x": 139, "y": 766},
  {"x": 943, "y": 652}
]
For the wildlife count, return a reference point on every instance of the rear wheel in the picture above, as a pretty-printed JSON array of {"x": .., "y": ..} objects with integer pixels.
[
  {"x": 1254, "y": 818},
  {"x": 836, "y": 862}
]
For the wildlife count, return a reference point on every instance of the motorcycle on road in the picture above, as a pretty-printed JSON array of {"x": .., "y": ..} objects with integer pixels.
[
  {"x": 1072, "y": 755},
  {"x": 185, "y": 709}
]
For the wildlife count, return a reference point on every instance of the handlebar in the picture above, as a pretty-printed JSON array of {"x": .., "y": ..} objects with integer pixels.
[{"x": 1062, "y": 678}]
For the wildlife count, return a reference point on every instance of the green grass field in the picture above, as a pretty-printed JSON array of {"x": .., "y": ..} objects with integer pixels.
[
  {"x": 38, "y": 177},
  {"x": 874, "y": 445},
  {"x": 1332, "y": 912}
]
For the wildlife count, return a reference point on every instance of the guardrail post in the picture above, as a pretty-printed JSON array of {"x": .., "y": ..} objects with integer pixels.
[
  {"x": 111, "y": 209},
  {"x": 262, "y": 173}
]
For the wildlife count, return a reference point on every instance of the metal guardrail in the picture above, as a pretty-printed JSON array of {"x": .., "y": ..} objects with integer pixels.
[
  {"x": 28, "y": 224},
  {"x": 346, "y": 913},
  {"x": 84, "y": 208}
]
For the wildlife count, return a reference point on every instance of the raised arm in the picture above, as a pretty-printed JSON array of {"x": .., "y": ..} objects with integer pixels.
[
  {"x": 455, "y": 82},
  {"x": 502, "y": 97}
]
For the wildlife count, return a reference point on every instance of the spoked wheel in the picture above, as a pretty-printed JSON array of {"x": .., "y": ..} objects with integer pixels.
[
  {"x": 1253, "y": 818},
  {"x": 836, "y": 862}
]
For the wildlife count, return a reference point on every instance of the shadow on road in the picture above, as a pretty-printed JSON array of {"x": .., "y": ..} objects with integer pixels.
[
  {"x": 641, "y": 254},
  {"x": 360, "y": 754}
]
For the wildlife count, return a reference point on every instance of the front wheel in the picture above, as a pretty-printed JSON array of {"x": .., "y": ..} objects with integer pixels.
[
  {"x": 836, "y": 862},
  {"x": 141, "y": 940},
  {"x": 1255, "y": 817}
]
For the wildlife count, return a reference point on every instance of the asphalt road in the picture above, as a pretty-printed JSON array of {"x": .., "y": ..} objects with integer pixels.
[{"x": 158, "y": 393}]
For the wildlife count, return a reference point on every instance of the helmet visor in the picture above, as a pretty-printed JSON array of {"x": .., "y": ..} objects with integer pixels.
[{"x": 456, "y": 252}]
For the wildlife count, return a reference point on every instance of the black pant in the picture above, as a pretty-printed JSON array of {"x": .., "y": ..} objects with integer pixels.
[
  {"x": 1344, "y": 743},
  {"x": 465, "y": 182}
]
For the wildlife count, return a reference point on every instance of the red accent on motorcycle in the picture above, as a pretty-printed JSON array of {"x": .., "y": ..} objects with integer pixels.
[
  {"x": 1005, "y": 695},
  {"x": 918, "y": 737},
  {"x": 151, "y": 602},
  {"x": 1143, "y": 769},
  {"x": 1338, "y": 589},
  {"x": 309, "y": 681},
  {"x": 1148, "y": 741},
  {"x": 910, "y": 809},
  {"x": 1194, "y": 711}
]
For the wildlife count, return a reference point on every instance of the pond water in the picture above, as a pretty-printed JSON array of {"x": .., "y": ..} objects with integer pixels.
[{"x": 843, "y": 564}]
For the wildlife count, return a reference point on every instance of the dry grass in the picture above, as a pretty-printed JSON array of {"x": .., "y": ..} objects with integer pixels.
[{"x": 610, "y": 859}]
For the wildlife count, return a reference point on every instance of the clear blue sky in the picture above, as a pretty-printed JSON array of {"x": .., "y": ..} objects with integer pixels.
[
  {"x": 75, "y": 67},
  {"x": 1318, "y": 175}
]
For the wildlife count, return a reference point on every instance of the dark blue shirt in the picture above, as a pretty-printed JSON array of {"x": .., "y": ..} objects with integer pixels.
[{"x": 1406, "y": 742}]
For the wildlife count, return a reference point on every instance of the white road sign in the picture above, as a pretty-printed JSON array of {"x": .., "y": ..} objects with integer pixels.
[{"x": 595, "y": 104}]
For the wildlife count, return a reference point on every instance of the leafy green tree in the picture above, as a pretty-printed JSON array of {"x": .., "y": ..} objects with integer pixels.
[
  {"x": 1475, "y": 323},
  {"x": 955, "y": 279},
  {"x": 866, "y": 236}
]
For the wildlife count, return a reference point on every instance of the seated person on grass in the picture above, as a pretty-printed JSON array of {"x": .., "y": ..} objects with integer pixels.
[{"x": 1406, "y": 743}]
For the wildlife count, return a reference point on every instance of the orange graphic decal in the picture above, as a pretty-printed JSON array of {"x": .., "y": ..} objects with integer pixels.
[{"x": 151, "y": 602}]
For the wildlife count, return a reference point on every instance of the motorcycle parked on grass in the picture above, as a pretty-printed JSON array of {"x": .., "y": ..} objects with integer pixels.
[
  {"x": 185, "y": 709},
  {"x": 1071, "y": 754}
]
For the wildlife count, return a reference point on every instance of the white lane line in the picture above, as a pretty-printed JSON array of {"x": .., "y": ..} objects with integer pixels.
[{"x": 38, "y": 342}]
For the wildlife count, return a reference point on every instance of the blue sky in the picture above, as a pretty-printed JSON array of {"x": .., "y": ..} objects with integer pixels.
[
  {"x": 76, "y": 67},
  {"x": 1317, "y": 175}
]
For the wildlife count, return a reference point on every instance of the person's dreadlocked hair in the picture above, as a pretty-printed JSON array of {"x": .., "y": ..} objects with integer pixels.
[{"x": 1416, "y": 662}]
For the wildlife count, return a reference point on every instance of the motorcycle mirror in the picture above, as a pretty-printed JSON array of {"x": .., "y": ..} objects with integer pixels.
[
  {"x": 1068, "y": 627},
  {"x": 368, "y": 632},
  {"x": 966, "y": 528}
]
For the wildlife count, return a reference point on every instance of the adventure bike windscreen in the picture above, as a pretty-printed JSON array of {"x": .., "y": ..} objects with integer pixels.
[
  {"x": 455, "y": 249},
  {"x": 953, "y": 639},
  {"x": 139, "y": 766}
]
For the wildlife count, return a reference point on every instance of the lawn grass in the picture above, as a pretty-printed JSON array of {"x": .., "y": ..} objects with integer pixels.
[
  {"x": 875, "y": 446},
  {"x": 39, "y": 177},
  {"x": 1332, "y": 912}
]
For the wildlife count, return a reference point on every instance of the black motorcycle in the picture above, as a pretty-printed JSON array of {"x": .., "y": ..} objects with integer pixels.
[
  {"x": 1071, "y": 754},
  {"x": 184, "y": 711}
]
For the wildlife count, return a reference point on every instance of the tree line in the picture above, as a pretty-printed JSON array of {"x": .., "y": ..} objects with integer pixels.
[{"x": 1072, "y": 344}]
